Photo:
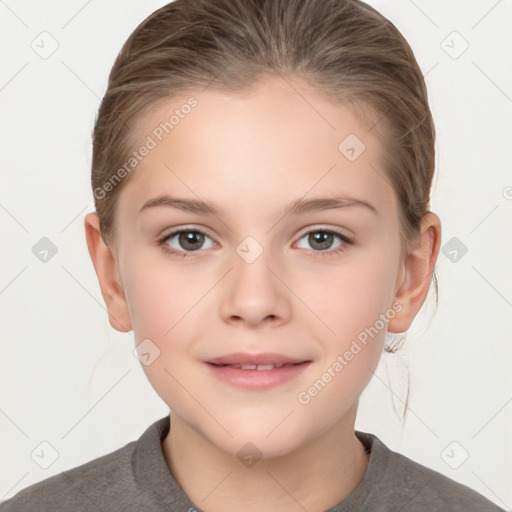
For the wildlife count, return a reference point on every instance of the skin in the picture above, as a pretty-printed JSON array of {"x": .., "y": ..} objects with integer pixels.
[{"x": 251, "y": 154}]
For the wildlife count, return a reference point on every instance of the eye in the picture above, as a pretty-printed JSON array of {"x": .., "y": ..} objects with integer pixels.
[
  {"x": 183, "y": 241},
  {"x": 321, "y": 241}
]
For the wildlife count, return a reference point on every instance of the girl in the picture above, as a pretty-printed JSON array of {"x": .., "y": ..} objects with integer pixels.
[{"x": 261, "y": 173}]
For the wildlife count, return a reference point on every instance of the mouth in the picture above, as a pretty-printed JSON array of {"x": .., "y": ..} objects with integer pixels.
[
  {"x": 259, "y": 367},
  {"x": 256, "y": 372},
  {"x": 253, "y": 361}
]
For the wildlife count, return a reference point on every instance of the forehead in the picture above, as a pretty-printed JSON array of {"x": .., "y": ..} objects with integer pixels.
[{"x": 272, "y": 143}]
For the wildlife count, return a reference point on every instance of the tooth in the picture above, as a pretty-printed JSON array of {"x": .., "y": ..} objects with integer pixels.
[
  {"x": 265, "y": 367},
  {"x": 248, "y": 367}
]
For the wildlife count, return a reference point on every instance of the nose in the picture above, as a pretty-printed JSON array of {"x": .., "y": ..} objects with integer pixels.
[{"x": 254, "y": 293}]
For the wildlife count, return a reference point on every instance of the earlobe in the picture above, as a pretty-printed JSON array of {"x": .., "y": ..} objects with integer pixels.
[
  {"x": 416, "y": 273},
  {"x": 106, "y": 271}
]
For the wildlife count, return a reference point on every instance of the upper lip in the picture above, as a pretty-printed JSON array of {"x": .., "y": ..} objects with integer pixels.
[{"x": 267, "y": 358}]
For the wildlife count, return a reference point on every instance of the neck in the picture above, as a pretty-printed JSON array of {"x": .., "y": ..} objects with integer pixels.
[{"x": 315, "y": 477}]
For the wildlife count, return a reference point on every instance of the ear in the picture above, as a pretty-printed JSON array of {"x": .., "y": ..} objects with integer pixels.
[
  {"x": 108, "y": 275},
  {"x": 416, "y": 272}
]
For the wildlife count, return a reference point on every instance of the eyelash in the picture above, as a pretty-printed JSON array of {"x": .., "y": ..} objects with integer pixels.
[{"x": 184, "y": 254}]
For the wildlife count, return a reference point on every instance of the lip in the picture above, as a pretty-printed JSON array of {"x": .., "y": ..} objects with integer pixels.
[
  {"x": 253, "y": 379},
  {"x": 257, "y": 359}
]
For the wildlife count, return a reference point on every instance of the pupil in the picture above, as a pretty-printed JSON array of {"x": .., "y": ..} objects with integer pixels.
[
  {"x": 322, "y": 238},
  {"x": 190, "y": 237}
]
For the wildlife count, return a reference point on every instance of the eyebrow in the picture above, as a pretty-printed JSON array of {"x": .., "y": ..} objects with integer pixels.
[{"x": 296, "y": 207}]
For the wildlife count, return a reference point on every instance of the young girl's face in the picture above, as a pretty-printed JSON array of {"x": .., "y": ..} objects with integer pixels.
[{"x": 256, "y": 282}]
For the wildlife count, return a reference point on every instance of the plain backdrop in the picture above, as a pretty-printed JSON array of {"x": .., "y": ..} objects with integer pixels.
[{"x": 68, "y": 379}]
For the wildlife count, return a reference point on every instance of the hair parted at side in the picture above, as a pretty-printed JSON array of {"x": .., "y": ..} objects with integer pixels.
[{"x": 344, "y": 49}]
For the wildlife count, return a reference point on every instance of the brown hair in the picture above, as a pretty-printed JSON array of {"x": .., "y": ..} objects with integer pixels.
[{"x": 342, "y": 48}]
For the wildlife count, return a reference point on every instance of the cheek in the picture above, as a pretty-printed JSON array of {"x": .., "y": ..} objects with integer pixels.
[
  {"x": 151, "y": 307},
  {"x": 163, "y": 306},
  {"x": 159, "y": 297},
  {"x": 352, "y": 297},
  {"x": 356, "y": 307}
]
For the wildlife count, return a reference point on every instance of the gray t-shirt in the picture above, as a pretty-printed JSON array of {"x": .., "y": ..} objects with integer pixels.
[{"x": 136, "y": 478}]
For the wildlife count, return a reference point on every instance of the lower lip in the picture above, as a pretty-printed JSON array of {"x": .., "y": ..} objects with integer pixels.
[{"x": 257, "y": 379}]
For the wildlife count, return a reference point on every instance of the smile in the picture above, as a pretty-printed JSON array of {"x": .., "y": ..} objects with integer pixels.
[
  {"x": 257, "y": 367},
  {"x": 256, "y": 372}
]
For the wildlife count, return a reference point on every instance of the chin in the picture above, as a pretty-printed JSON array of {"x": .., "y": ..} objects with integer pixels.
[
  {"x": 250, "y": 451},
  {"x": 270, "y": 439}
]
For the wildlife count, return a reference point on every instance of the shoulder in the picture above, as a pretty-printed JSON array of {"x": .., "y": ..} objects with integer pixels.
[
  {"x": 118, "y": 481},
  {"x": 135, "y": 477},
  {"x": 405, "y": 481},
  {"x": 433, "y": 489},
  {"x": 85, "y": 487}
]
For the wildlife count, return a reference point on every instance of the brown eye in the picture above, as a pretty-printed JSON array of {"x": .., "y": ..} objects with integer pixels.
[
  {"x": 184, "y": 240},
  {"x": 321, "y": 242},
  {"x": 190, "y": 240}
]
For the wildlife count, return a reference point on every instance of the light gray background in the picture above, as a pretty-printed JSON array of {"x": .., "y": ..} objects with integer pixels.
[{"x": 69, "y": 379}]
